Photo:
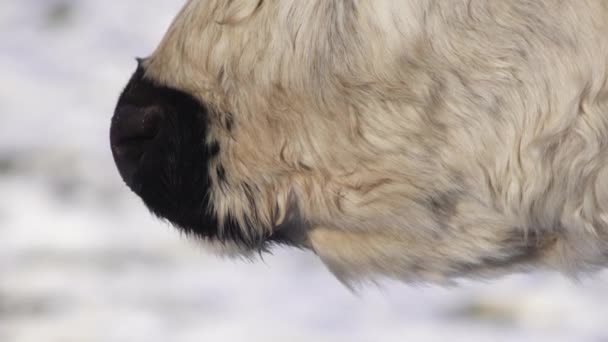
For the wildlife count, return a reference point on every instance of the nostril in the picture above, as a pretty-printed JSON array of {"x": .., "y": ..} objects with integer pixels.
[
  {"x": 134, "y": 125},
  {"x": 131, "y": 130}
]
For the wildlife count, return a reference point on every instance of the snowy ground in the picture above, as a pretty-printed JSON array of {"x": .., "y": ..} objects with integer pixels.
[{"x": 81, "y": 260}]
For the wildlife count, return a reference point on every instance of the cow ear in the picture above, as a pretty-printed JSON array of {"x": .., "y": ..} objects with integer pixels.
[{"x": 239, "y": 10}]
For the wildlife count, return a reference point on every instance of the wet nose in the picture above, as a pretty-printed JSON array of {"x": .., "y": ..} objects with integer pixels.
[{"x": 131, "y": 133}]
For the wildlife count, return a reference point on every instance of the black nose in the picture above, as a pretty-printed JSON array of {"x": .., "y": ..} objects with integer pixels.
[{"x": 132, "y": 132}]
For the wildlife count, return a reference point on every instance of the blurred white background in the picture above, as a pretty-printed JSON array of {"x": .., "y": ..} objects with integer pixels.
[{"x": 82, "y": 260}]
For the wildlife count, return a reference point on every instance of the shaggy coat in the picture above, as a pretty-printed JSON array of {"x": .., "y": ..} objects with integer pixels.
[{"x": 419, "y": 140}]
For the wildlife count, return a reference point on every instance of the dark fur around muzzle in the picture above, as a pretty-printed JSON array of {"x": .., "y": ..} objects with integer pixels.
[{"x": 158, "y": 142}]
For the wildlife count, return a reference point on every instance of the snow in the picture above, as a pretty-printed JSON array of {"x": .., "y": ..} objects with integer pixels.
[{"x": 82, "y": 260}]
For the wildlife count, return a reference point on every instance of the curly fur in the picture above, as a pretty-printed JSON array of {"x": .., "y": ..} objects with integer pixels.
[{"x": 419, "y": 140}]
